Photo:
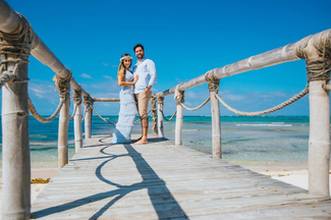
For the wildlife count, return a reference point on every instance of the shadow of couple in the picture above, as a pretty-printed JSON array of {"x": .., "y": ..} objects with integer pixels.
[{"x": 164, "y": 203}]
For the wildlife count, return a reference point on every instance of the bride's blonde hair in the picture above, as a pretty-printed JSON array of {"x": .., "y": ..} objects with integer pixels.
[{"x": 121, "y": 67}]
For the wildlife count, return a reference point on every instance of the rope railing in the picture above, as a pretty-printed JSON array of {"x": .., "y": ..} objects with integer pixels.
[
  {"x": 18, "y": 41},
  {"x": 170, "y": 118},
  {"x": 40, "y": 118},
  {"x": 104, "y": 119},
  {"x": 278, "y": 107},
  {"x": 204, "y": 102}
]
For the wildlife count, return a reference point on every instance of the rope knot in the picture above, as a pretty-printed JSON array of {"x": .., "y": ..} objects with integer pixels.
[
  {"x": 18, "y": 43},
  {"x": 63, "y": 85},
  {"x": 15, "y": 49},
  {"x": 77, "y": 97},
  {"x": 88, "y": 102},
  {"x": 213, "y": 81},
  {"x": 153, "y": 103},
  {"x": 317, "y": 54},
  {"x": 179, "y": 95},
  {"x": 160, "y": 100}
]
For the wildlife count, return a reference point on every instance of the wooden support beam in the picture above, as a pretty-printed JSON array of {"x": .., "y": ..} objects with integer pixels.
[
  {"x": 63, "y": 133},
  {"x": 160, "y": 119},
  {"x": 215, "y": 118},
  {"x": 179, "y": 118}
]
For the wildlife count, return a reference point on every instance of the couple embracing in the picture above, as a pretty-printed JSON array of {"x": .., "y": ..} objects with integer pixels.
[{"x": 136, "y": 90}]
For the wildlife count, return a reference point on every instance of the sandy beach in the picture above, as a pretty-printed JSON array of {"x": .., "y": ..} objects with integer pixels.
[
  {"x": 43, "y": 173},
  {"x": 294, "y": 173}
]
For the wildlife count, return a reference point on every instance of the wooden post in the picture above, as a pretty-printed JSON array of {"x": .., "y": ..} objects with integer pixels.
[
  {"x": 88, "y": 117},
  {"x": 78, "y": 121},
  {"x": 316, "y": 52},
  {"x": 319, "y": 139},
  {"x": 215, "y": 117},
  {"x": 16, "y": 172},
  {"x": 179, "y": 117},
  {"x": 63, "y": 128},
  {"x": 154, "y": 115},
  {"x": 160, "y": 104},
  {"x": 16, "y": 165}
]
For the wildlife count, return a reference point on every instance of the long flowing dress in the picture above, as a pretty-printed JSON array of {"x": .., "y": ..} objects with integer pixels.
[{"x": 127, "y": 114}]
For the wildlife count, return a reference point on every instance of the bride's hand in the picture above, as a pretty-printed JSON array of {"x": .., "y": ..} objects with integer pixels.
[{"x": 135, "y": 79}]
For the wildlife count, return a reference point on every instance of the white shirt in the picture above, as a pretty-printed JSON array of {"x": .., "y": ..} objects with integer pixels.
[{"x": 146, "y": 72}]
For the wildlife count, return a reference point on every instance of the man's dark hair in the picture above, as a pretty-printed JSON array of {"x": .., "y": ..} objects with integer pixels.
[{"x": 138, "y": 45}]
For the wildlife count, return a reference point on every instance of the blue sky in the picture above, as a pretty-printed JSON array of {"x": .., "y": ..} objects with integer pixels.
[{"x": 184, "y": 38}]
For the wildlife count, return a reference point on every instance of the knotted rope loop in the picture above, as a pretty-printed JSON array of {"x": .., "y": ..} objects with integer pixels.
[
  {"x": 204, "y": 102},
  {"x": 40, "y": 118},
  {"x": 170, "y": 118},
  {"x": 63, "y": 85},
  {"x": 280, "y": 106},
  {"x": 154, "y": 113},
  {"x": 317, "y": 54},
  {"x": 18, "y": 43},
  {"x": 153, "y": 103},
  {"x": 77, "y": 97},
  {"x": 15, "y": 49},
  {"x": 213, "y": 82},
  {"x": 88, "y": 102},
  {"x": 160, "y": 100},
  {"x": 179, "y": 95}
]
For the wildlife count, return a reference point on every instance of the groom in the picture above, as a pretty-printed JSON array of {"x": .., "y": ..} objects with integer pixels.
[{"x": 146, "y": 72}]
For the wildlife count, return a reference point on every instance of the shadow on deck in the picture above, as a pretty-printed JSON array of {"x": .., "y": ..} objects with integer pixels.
[{"x": 168, "y": 208}]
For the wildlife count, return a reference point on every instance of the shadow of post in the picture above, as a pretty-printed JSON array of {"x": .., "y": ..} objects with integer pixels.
[{"x": 164, "y": 203}]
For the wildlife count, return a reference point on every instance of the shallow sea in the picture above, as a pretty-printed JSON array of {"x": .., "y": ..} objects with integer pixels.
[{"x": 278, "y": 138}]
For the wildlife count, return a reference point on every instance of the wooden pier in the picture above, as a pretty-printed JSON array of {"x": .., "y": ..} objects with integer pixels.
[
  {"x": 164, "y": 181},
  {"x": 161, "y": 180}
]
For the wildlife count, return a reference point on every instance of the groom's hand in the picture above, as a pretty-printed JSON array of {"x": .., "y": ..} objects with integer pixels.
[{"x": 148, "y": 89}]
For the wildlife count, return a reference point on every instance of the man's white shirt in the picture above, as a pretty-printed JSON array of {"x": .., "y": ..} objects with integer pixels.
[{"x": 146, "y": 72}]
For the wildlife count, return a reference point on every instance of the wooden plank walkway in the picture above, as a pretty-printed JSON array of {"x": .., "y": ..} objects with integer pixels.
[{"x": 161, "y": 181}]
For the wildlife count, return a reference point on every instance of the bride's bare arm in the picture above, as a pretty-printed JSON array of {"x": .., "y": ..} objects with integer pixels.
[{"x": 121, "y": 80}]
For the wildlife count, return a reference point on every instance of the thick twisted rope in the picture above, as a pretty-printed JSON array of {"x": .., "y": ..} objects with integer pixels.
[
  {"x": 77, "y": 98},
  {"x": 6, "y": 77},
  {"x": 170, "y": 118},
  {"x": 154, "y": 113},
  {"x": 266, "y": 111},
  {"x": 196, "y": 107},
  {"x": 14, "y": 49},
  {"x": 318, "y": 64},
  {"x": 40, "y": 118},
  {"x": 213, "y": 82},
  {"x": 104, "y": 119}
]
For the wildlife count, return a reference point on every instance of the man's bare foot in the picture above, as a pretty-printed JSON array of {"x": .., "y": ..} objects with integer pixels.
[{"x": 142, "y": 141}]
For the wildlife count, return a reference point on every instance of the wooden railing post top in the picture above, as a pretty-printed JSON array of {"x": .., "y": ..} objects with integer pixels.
[
  {"x": 88, "y": 101},
  {"x": 77, "y": 97},
  {"x": 317, "y": 53},
  {"x": 179, "y": 95},
  {"x": 63, "y": 85},
  {"x": 17, "y": 44},
  {"x": 213, "y": 81},
  {"x": 160, "y": 99}
]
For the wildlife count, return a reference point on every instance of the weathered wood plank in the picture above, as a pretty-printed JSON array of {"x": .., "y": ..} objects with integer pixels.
[{"x": 161, "y": 181}]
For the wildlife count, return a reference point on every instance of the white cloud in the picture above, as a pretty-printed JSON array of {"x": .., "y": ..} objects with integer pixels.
[
  {"x": 85, "y": 76},
  {"x": 42, "y": 90}
]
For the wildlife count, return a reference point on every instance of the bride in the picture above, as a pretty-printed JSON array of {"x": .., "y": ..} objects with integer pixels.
[{"x": 128, "y": 108}]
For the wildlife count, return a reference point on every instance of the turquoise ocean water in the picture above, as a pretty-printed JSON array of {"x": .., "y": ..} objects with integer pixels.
[{"x": 279, "y": 138}]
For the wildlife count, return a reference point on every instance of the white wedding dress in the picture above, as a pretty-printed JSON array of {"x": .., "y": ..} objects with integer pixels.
[{"x": 127, "y": 114}]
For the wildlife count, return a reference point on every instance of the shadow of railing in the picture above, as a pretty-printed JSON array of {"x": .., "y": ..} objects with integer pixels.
[{"x": 164, "y": 203}]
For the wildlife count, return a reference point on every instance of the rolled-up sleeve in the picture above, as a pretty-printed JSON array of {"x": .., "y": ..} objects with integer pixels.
[{"x": 152, "y": 73}]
